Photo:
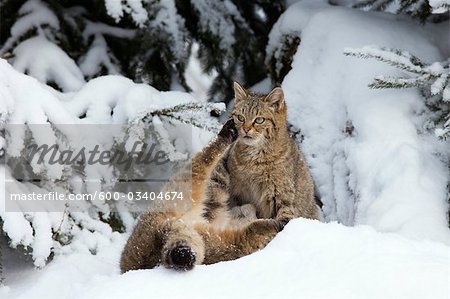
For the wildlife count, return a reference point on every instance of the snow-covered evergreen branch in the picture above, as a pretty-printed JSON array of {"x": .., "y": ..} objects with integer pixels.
[
  {"x": 373, "y": 4},
  {"x": 433, "y": 78},
  {"x": 394, "y": 57},
  {"x": 435, "y": 75},
  {"x": 196, "y": 114},
  {"x": 440, "y": 6},
  {"x": 422, "y": 9},
  {"x": 146, "y": 40},
  {"x": 111, "y": 112}
]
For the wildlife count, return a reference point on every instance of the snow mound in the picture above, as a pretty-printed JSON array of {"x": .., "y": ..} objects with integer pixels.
[
  {"x": 308, "y": 259},
  {"x": 370, "y": 161}
]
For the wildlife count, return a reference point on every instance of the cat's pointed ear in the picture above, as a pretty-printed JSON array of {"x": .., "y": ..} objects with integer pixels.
[
  {"x": 276, "y": 98},
  {"x": 239, "y": 92}
]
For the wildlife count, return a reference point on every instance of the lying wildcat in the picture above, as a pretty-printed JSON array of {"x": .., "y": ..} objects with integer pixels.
[{"x": 244, "y": 190}]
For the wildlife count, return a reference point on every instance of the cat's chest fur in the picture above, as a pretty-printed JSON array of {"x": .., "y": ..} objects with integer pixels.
[{"x": 255, "y": 182}]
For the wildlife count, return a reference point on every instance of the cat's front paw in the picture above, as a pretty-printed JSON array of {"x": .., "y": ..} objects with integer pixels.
[{"x": 229, "y": 131}]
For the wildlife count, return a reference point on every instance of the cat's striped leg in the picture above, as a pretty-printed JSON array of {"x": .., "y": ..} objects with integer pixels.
[
  {"x": 229, "y": 244},
  {"x": 205, "y": 161},
  {"x": 217, "y": 194},
  {"x": 182, "y": 246},
  {"x": 162, "y": 238},
  {"x": 143, "y": 247}
]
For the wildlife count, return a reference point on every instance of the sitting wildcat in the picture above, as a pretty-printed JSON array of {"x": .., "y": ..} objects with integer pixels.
[{"x": 245, "y": 188}]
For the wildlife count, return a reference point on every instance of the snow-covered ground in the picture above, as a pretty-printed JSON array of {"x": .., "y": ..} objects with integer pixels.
[
  {"x": 376, "y": 173},
  {"x": 308, "y": 259}
]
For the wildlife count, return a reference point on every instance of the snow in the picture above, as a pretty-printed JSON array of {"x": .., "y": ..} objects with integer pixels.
[
  {"x": 96, "y": 57},
  {"x": 137, "y": 11},
  {"x": 198, "y": 81},
  {"x": 42, "y": 245},
  {"x": 439, "y": 84},
  {"x": 26, "y": 101},
  {"x": 103, "y": 29},
  {"x": 439, "y": 6},
  {"x": 114, "y": 9},
  {"x": 308, "y": 259},
  {"x": 381, "y": 176},
  {"x": 36, "y": 55},
  {"x": 117, "y": 8},
  {"x": 212, "y": 21},
  {"x": 168, "y": 20},
  {"x": 403, "y": 58},
  {"x": 446, "y": 94},
  {"x": 39, "y": 103},
  {"x": 360, "y": 132},
  {"x": 34, "y": 14},
  {"x": 99, "y": 55}
]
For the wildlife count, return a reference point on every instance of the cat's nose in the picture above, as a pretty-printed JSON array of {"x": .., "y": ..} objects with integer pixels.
[{"x": 246, "y": 129}]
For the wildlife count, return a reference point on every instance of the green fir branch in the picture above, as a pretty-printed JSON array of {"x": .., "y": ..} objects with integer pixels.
[
  {"x": 433, "y": 79},
  {"x": 394, "y": 57},
  {"x": 188, "y": 113},
  {"x": 381, "y": 82}
]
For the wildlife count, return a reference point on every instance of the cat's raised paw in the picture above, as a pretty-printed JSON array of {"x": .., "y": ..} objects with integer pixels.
[{"x": 229, "y": 130}]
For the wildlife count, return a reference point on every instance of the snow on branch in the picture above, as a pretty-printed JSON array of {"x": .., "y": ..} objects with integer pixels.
[
  {"x": 111, "y": 112},
  {"x": 33, "y": 14},
  {"x": 218, "y": 24},
  {"x": 434, "y": 77},
  {"x": 422, "y": 9},
  {"x": 118, "y": 8},
  {"x": 196, "y": 114},
  {"x": 394, "y": 57},
  {"x": 35, "y": 57},
  {"x": 191, "y": 113},
  {"x": 436, "y": 74},
  {"x": 440, "y": 6},
  {"x": 373, "y": 4}
]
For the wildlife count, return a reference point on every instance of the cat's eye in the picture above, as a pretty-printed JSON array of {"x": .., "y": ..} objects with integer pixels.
[
  {"x": 240, "y": 118},
  {"x": 259, "y": 120}
]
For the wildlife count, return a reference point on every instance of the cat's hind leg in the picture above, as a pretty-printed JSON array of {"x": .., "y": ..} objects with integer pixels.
[
  {"x": 143, "y": 247},
  {"x": 229, "y": 244},
  {"x": 182, "y": 246},
  {"x": 162, "y": 238}
]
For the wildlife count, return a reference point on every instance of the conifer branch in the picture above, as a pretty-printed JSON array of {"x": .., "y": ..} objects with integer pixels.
[{"x": 432, "y": 78}]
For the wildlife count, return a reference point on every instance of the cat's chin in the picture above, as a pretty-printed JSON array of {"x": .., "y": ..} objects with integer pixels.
[{"x": 250, "y": 141}]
